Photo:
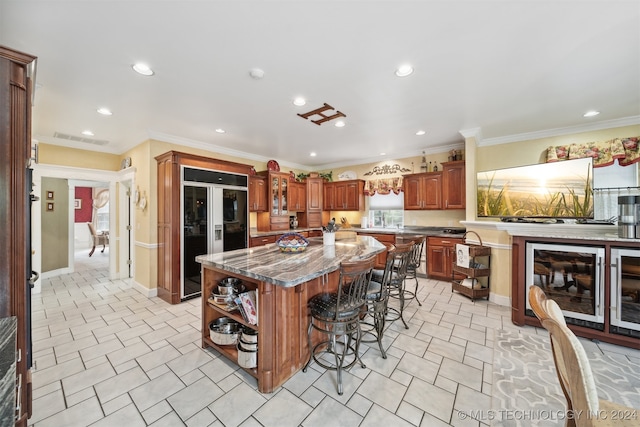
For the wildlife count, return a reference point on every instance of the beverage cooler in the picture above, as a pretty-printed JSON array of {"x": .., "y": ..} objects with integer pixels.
[
  {"x": 572, "y": 276},
  {"x": 625, "y": 291}
]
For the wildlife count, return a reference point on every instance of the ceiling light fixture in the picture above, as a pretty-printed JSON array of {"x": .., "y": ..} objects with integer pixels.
[
  {"x": 299, "y": 101},
  {"x": 143, "y": 69},
  {"x": 256, "y": 73},
  {"x": 105, "y": 111},
  {"x": 313, "y": 154},
  {"x": 87, "y": 132},
  {"x": 339, "y": 124},
  {"x": 420, "y": 133},
  {"x": 404, "y": 70},
  {"x": 591, "y": 113},
  {"x": 383, "y": 154},
  {"x": 220, "y": 130}
]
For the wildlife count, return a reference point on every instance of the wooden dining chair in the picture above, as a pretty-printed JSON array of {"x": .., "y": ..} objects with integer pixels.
[{"x": 574, "y": 371}]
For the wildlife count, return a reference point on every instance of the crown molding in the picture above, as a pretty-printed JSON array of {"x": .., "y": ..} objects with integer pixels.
[
  {"x": 549, "y": 133},
  {"x": 173, "y": 139},
  {"x": 472, "y": 133}
]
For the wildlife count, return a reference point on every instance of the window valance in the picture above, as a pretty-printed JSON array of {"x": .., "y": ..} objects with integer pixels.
[
  {"x": 604, "y": 153},
  {"x": 383, "y": 186}
]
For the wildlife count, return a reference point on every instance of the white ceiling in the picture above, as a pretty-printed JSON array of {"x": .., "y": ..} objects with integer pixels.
[{"x": 505, "y": 67}]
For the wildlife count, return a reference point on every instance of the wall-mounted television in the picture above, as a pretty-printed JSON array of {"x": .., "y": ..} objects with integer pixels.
[{"x": 547, "y": 190}]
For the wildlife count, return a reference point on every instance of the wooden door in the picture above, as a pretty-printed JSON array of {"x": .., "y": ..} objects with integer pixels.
[
  {"x": 454, "y": 191},
  {"x": 314, "y": 194},
  {"x": 257, "y": 194},
  {"x": 432, "y": 191},
  {"x": 413, "y": 193},
  {"x": 329, "y": 196}
]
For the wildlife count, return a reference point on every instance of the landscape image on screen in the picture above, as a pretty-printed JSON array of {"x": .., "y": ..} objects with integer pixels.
[{"x": 547, "y": 190}]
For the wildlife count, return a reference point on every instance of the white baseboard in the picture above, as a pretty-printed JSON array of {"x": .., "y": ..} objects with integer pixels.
[
  {"x": 149, "y": 293},
  {"x": 500, "y": 299}
]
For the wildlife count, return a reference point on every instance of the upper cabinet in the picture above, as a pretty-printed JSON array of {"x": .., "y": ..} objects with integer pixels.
[
  {"x": 313, "y": 216},
  {"x": 344, "y": 195},
  {"x": 297, "y": 196},
  {"x": 423, "y": 191},
  {"x": 453, "y": 185},
  {"x": 257, "y": 193},
  {"x": 436, "y": 190},
  {"x": 276, "y": 216}
]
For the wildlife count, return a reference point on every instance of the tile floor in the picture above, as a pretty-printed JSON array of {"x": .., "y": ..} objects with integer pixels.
[{"x": 105, "y": 355}]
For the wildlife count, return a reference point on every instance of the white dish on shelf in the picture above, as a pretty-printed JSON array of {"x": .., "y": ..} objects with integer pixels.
[{"x": 347, "y": 175}]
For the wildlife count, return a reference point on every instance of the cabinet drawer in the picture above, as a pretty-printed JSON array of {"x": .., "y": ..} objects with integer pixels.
[{"x": 259, "y": 241}]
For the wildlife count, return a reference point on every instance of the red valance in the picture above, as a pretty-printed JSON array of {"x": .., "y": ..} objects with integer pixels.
[{"x": 626, "y": 150}]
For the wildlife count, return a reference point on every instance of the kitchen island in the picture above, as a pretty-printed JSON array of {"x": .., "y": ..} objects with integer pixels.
[{"x": 284, "y": 283}]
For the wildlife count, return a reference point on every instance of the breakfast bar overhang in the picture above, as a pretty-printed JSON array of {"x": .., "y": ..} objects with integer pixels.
[{"x": 284, "y": 283}]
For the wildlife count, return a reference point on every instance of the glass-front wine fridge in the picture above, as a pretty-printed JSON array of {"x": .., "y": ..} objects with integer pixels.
[
  {"x": 572, "y": 276},
  {"x": 625, "y": 292}
]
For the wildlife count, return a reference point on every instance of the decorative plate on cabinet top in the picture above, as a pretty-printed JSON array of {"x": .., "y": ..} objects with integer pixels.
[
  {"x": 347, "y": 175},
  {"x": 272, "y": 165}
]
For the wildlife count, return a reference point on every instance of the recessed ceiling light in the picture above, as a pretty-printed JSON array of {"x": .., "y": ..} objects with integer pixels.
[
  {"x": 340, "y": 124},
  {"x": 383, "y": 154},
  {"x": 420, "y": 133},
  {"x": 591, "y": 113},
  {"x": 142, "y": 69},
  {"x": 87, "y": 132},
  {"x": 220, "y": 130},
  {"x": 256, "y": 73},
  {"x": 313, "y": 154},
  {"x": 404, "y": 70},
  {"x": 105, "y": 111},
  {"x": 299, "y": 101}
]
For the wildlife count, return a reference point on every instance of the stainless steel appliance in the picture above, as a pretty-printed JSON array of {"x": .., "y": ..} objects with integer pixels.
[
  {"x": 215, "y": 218},
  {"x": 625, "y": 291},
  {"x": 629, "y": 217},
  {"x": 572, "y": 276}
]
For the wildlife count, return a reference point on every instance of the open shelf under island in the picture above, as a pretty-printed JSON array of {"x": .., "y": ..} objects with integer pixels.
[{"x": 284, "y": 283}]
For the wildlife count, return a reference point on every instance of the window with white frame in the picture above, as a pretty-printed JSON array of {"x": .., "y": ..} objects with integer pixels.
[
  {"x": 102, "y": 218},
  {"x": 386, "y": 210}
]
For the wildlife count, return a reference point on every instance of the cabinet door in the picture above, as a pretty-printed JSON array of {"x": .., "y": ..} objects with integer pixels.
[
  {"x": 257, "y": 194},
  {"x": 314, "y": 194},
  {"x": 433, "y": 191},
  {"x": 279, "y": 196},
  {"x": 352, "y": 196},
  {"x": 329, "y": 193},
  {"x": 436, "y": 260},
  {"x": 413, "y": 197},
  {"x": 340, "y": 201},
  {"x": 454, "y": 191},
  {"x": 298, "y": 196}
]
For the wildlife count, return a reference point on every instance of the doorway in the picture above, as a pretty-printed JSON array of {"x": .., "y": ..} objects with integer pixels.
[{"x": 119, "y": 256}]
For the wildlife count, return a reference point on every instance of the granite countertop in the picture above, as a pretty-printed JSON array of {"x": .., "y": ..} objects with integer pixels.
[
  {"x": 266, "y": 263},
  {"x": 425, "y": 231}
]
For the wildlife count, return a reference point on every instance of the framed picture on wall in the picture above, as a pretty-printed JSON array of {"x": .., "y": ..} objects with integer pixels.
[
  {"x": 77, "y": 203},
  {"x": 49, "y": 206},
  {"x": 49, "y": 195}
]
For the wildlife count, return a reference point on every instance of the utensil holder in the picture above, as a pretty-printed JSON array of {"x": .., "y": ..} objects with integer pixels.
[{"x": 329, "y": 239}]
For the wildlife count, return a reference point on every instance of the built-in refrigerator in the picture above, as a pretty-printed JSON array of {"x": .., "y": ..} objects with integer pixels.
[{"x": 215, "y": 218}]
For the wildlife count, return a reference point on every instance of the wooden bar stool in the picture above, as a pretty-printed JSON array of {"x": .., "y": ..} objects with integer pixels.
[{"x": 337, "y": 314}]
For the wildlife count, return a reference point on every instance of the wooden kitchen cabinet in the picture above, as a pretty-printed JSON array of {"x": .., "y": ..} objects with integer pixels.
[
  {"x": 277, "y": 215},
  {"x": 344, "y": 195},
  {"x": 313, "y": 216},
  {"x": 170, "y": 166},
  {"x": 453, "y": 185},
  {"x": 15, "y": 227},
  {"x": 440, "y": 256},
  {"x": 298, "y": 196},
  {"x": 423, "y": 191},
  {"x": 257, "y": 193}
]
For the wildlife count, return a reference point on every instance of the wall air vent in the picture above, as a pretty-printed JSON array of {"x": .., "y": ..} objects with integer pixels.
[{"x": 80, "y": 139}]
